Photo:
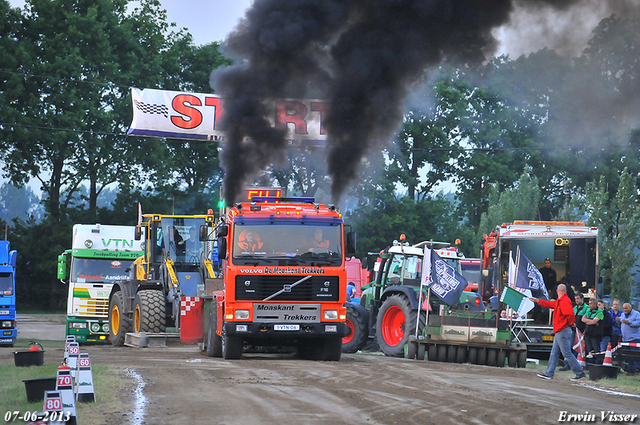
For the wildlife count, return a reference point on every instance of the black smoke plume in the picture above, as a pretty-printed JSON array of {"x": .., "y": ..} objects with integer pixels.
[{"x": 361, "y": 55}]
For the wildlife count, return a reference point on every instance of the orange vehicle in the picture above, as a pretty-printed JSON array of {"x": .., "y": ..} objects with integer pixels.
[{"x": 284, "y": 279}]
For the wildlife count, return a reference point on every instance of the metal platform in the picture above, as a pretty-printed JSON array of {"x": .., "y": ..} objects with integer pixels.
[{"x": 150, "y": 340}]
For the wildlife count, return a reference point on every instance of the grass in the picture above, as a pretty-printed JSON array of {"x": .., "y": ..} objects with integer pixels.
[{"x": 109, "y": 385}]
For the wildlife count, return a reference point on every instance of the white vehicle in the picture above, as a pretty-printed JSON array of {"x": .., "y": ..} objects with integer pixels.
[{"x": 99, "y": 257}]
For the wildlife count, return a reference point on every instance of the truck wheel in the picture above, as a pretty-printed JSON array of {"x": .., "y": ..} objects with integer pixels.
[
  {"x": 491, "y": 357},
  {"x": 432, "y": 353},
  {"x": 482, "y": 356},
  {"x": 356, "y": 336},
  {"x": 395, "y": 323},
  {"x": 522, "y": 359},
  {"x": 461, "y": 354},
  {"x": 119, "y": 322},
  {"x": 214, "y": 341},
  {"x": 231, "y": 346},
  {"x": 442, "y": 353},
  {"x": 473, "y": 355},
  {"x": 149, "y": 311},
  {"x": 452, "y": 351},
  {"x": 412, "y": 350},
  {"x": 312, "y": 349},
  {"x": 421, "y": 351},
  {"x": 500, "y": 359},
  {"x": 332, "y": 349}
]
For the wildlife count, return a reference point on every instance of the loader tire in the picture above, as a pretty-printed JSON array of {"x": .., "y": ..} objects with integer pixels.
[
  {"x": 395, "y": 324},
  {"x": 214, "y": 341},
  {"x": 149, "y": 312},
  {"x": 119, "y": 322},
  {"x": 356, "y": 337}
]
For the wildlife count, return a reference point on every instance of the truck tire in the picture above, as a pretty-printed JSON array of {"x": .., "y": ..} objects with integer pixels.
[
  {"x": 119, "y": 323},
  {"x": 473, "y": 355},
  {"x": 442, "y": 353},
  {"x": 501, "y": 358},
  {"x": 332, "y": 349},
  {"x": 312, "y": 349},
  {"x": 452, "y": 351},
  {"x": 356, "y": 336},
  {"x": 231, "y": 346},
  {"x": 513, "y": 358},
  {"x": 491, "y": 357},
  {"x": 149, "y": 311},
  {"x": 395, "y": 323},
  {"x": 432, "y": 353},
  {"x": 421, "y": 351},
  {"x": 461, "y": 354},
  {"x": 214, "y": 341},
  {"x": 482, "y": 356},
  {"x": 522, "y": 359}
]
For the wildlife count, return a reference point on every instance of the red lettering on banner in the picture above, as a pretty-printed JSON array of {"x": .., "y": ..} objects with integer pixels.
[
  {"x": 218, "y": 111},
  {"x": 322, "y": 108},
  {"x": 284, "y": 117},
  {"x": 182, "y": 105}
]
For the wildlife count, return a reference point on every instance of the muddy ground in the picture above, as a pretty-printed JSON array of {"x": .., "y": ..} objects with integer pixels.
[{"x": 180, "y": 385}]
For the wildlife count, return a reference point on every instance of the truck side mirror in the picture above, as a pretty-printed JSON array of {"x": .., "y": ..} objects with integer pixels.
[
  {"x": 222, "y": 248},
  {"x": 137, "y": 234},
  {"x": 204, "y": 232},
  {"x": 222, "y": 231},
  {"x": 351, "y": 242},
  {"x": 62, "y": 267}
]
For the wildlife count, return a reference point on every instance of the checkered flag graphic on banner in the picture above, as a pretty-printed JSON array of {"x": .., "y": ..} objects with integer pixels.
[{"x": 150, "y": 108}]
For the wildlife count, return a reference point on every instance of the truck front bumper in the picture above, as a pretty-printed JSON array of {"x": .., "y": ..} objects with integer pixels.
[{"x": 292, "y": 332}]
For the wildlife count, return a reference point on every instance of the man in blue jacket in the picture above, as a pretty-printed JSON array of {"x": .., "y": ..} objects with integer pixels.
[{"x": 630, "y": 326}]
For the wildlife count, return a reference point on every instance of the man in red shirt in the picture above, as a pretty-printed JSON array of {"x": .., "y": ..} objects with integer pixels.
[{"x": 563, "y": 322}]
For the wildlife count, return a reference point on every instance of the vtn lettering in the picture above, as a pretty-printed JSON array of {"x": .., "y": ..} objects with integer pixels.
[{"x": 118, "y": 243}]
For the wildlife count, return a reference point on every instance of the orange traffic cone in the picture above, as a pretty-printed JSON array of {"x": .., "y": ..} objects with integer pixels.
[{"x": 607, "y": 356}]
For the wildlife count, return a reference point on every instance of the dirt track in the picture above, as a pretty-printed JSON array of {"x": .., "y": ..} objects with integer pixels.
[{"x": 183, "y": 386}]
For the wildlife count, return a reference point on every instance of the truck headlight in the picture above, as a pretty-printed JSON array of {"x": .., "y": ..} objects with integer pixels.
[
  {"x": 331, "y": 314},
  {"x": 7, "y": 324},
  {"x": 242, "y": 314},
  {"x": 76, "y": 325},
  {"x": 95, "y": 327},
  {"x": 105, "y": 327}
]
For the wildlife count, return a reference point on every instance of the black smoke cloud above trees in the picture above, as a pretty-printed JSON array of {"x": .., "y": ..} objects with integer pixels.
[{"x": 361, "y": 55}]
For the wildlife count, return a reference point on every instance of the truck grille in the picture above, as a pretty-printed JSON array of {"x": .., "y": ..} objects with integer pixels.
[
  {"x": 93, "y": 307},
  {"x": 315, "y": 288}
]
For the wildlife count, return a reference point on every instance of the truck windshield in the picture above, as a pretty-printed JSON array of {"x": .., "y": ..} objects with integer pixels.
[
  {"x": 90, "y": 270},
  {"x": 6, "y": 284},
  {"x": 178, "y": 239},
  {"x": 289, "y": 244}
]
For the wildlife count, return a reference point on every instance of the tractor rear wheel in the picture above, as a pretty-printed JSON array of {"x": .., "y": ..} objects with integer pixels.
[
  {"x": 395, "y": 323},
  {"x": 356, "y": 336},
  {"x": 119, "y": 322},
  {"x": 214, "y": 341},
  {"x": 149, "y": 312}
]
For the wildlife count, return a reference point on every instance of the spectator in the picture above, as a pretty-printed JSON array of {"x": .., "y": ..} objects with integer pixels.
[
  {"x": 593, "y": 330},
  {"x": 630, "y": 326},
  {"x": 615, "y": 312},
  {"x": 351, "y": 291},
  {"x": 549, "y": 275},
  {"x": 607, "y": 327},
  {"x": 580, "y": 310},
  {"x": 563, "y": 321}
]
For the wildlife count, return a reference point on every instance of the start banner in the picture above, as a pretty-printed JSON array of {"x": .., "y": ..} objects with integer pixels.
[{"x": 195, "y": 116}]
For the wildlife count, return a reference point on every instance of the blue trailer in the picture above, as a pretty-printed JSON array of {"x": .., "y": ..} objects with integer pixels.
[{"x": 7, "y": 295}]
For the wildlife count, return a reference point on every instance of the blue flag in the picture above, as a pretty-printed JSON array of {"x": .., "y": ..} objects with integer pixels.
[
  {"x": 529, "y": 277},
  {"x": 443, "y": 280}
]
